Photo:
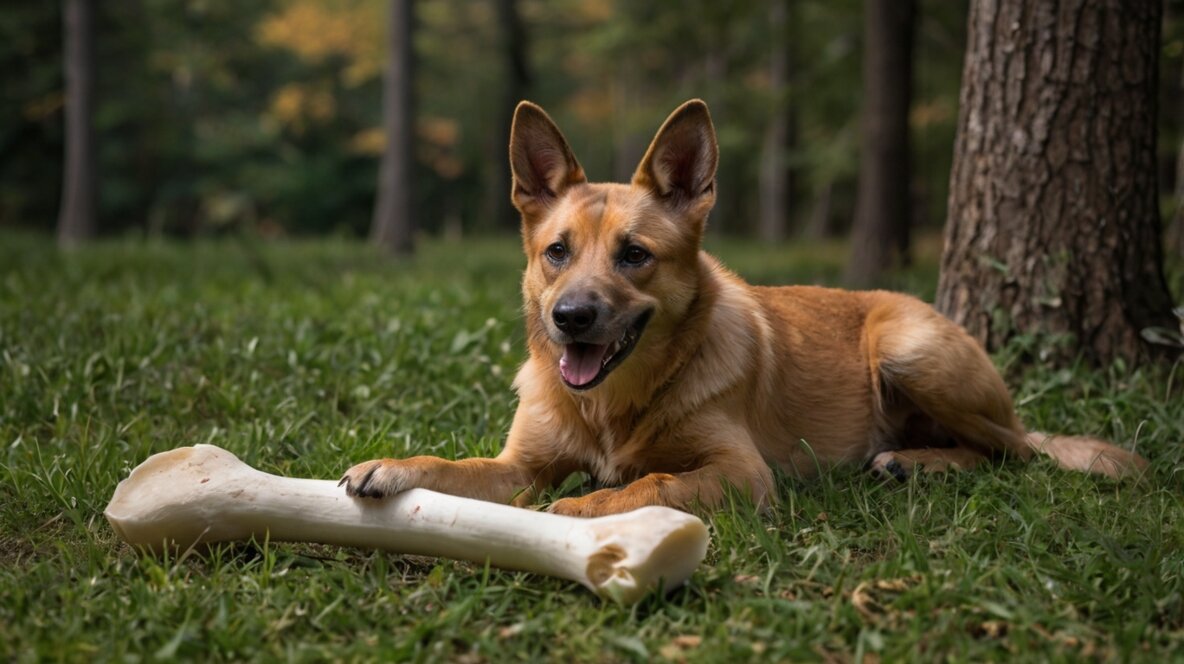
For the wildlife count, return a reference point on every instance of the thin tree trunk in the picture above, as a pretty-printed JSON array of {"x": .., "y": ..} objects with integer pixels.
[
  {"x": 879, "y": 235},
  {"x": 76, "y": 222},
  {"x": 393, "y": 226},
  {"x": 515, "y": 48},
  {"x": 819, "y": 225},
  {"x": 1054, "y": 221},
  {"x": 774, "y": 194}
]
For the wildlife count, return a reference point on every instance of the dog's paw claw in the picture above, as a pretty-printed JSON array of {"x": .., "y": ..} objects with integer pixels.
[
  {"x": 374, "y": 479},
  {"x": 567, "y": 507}
]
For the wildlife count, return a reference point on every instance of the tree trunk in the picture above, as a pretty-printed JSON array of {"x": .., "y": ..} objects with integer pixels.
[
  {"x": 774, "y": 182},
  {"x": 880, "y": 233},
  {"x": 515, "y": 49},
  {"x": 1174, "y": 236},
  {"x": 393, "y": 225},
  {"x": 1053, "y": 214},
  {"x": 820, "y": 222},
  {"x": 76, "y": 222}
]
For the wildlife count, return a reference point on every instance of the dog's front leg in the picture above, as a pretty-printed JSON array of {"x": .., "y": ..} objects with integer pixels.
[
  {"x": 532, "y": 461},
  {"x": 500, "y": 480},
  {"x": 704, "y": 487}
]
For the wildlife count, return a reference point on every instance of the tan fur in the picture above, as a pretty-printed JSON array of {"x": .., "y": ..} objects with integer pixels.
[{"x": 728, "y": 380}]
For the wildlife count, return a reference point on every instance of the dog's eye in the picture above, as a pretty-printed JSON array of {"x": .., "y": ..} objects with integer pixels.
[
  {"x": 635, "y": 255},
  {"x": 557, "y": 252}
]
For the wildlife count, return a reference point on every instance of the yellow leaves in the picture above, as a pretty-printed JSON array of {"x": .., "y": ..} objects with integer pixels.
[
  {"x": 438, "y": 139},
  {"x": 681, "y": 647},
  {"x": 296, "y": 104},
  {"x": 931, "y": 112},
  {"x": 596, "y": 10},
  {"x": 437, "y": 146},
  {"x": 42, "y": 107},
  {"x": 591, "y": 105},
  {"x": 444, "y": 132},
  {"x": 873, "y": 600},
  {"x": 320, "y": 29},
  {"x": 370, "y": 141}
]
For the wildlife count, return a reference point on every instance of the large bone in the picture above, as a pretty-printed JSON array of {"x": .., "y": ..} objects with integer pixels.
[{"x": 204, "y": 494}]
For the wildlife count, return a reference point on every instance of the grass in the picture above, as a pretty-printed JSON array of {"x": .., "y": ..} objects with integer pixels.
[{"x": 304, "y": 358}]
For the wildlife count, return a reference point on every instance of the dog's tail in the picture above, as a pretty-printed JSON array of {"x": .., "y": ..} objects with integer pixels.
[{"x": 1088, "y": 455}]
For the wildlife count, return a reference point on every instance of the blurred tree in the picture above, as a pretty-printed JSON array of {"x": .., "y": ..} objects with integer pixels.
[
  {"x": 1053, "y": 220},
  {"x": 31, "y": 124},
  {"x": 393, "y": 226},
  {"x": 516, "y": 86},
  {"x": 76, "y": 222},
  {"x": 778, "y": 143},
  {"x": 880, "y": 235}
]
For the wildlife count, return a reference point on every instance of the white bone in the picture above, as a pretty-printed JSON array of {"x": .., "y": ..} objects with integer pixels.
[{"x": 204, "y": 494}]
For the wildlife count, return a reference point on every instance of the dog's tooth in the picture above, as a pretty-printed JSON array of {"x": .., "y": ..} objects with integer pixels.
[{"x": 608, "y": 355}]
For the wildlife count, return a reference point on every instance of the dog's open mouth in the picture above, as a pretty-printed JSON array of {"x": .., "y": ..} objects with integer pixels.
[{"x": 584, "y": 365}]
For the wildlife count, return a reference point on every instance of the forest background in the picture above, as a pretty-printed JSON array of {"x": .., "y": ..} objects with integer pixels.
[{"x": 213, "y": 116}]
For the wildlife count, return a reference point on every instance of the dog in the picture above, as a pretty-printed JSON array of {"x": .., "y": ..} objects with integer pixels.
[{"x": 660, "y": 373}]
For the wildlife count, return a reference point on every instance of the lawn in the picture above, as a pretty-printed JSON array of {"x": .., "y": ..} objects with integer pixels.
[{"x": 303, "y": 358}]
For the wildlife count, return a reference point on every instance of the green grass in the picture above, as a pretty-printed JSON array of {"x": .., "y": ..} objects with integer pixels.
[{"x": 305, "y": 358}]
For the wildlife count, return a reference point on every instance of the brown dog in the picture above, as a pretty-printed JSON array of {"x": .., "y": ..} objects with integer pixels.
[{"x": 653, "y": 367}]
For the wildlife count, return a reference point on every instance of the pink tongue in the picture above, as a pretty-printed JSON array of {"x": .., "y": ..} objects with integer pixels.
[{"x": 581, "y": 362}]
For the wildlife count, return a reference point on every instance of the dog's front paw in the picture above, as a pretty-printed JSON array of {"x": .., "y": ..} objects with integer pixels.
[
  {"x": 378, "y": 478},
  {"x": 570, "y": 507},
  {"x": 597, "y": 503}
]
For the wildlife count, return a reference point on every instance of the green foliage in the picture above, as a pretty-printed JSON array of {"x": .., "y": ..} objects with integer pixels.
[
  {"x": 210, "y": 115},
  {"x": 305, "y": 358}
]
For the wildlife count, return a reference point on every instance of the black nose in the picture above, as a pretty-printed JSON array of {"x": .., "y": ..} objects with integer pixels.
[{"x": 574, "y": 316}]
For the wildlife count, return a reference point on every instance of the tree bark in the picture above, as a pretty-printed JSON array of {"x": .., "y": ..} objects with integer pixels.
[
  {"x": 1174, "y": 235},
  {"x": 1053, "y": 220},
  {"x": 76, "y": 220},
  {"x": 772, "y": 220},
  {"x": 393, "y": 226},
  {"x": 880, "y": 233}
]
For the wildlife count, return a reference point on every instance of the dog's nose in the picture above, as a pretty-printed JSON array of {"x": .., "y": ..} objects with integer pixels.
[{"x": 574, "y": 316}]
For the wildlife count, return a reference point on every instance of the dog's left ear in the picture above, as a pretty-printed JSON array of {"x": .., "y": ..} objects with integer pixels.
[{"x": 679, "y": 166}]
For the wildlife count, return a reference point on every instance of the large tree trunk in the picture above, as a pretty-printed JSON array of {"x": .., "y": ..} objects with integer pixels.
[
  {"x": 1053, "y": 214},
  {"x": 880, "y": 233},
  {"x": 514, "y": 47},
  {"x": 774, "y": 179},
  {"x": 393, "y": 225},
  {"x": 76, "y": 222}
]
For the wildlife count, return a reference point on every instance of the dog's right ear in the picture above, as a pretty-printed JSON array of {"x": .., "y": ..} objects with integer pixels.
[{"x": 541, "y": 161}]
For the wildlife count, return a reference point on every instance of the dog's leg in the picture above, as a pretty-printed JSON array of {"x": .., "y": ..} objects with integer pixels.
[
  {"x": 899, "y": 464},
  {"x": 532, "y": 460},
  {"x": 922, "y": 361},
  {"x": 704, "y": 487},
  {"x": 495, "y": 480}
]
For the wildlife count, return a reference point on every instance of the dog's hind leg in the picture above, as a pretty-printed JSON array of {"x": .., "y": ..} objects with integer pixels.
[
  {"x": 899, "y": 464},
  {"x": 928, "y": 366}
]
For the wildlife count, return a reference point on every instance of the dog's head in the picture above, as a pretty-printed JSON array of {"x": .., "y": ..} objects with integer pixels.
[{"x": 611, "y": 269}]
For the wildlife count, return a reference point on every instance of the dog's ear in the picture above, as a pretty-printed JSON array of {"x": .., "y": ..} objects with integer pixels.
[
  {"x": 541, "y": 161},
  {"x": 679, "y": 166}
]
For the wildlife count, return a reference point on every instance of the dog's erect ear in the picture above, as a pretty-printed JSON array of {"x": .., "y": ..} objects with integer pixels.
[
  {"x": 541, "y": 161},
  {"x": 680, "y": 164}
]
